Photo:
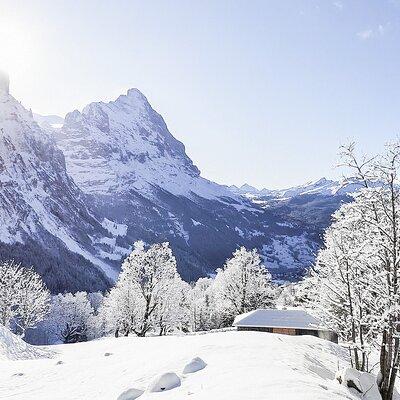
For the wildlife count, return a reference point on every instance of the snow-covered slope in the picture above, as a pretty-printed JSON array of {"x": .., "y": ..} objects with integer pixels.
[
  {"x": 44, "y": 218},
  {"x": 240, "y": 365}
]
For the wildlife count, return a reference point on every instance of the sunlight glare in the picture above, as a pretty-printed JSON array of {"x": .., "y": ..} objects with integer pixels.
[{"x": 17, "y": 47}]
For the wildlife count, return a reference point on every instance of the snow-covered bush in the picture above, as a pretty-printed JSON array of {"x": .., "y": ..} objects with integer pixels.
[
  {"x": 194, "y": 365},
  {"x": 24, "y": 298},
  {"x": 72, "y": 317},
  {"x": 243, "y": 284},
  {"x": 163, "y": 382}
]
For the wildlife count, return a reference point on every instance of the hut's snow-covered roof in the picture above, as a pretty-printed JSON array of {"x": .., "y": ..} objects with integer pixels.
[{"x": 268, "y": 318}]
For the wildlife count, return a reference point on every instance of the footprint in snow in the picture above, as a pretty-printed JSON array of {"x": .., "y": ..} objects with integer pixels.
[
  {"x": 107, "y": 354},
  {"x": 18, "y": 374},
  {"x": 59, "y": 362}
]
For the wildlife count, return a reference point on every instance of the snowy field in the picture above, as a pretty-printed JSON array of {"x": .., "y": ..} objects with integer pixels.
[{"x": 240, "y": 365}]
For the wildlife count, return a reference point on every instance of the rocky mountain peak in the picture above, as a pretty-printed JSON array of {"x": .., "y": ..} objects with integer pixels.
[{"x": 127, "y": 143}]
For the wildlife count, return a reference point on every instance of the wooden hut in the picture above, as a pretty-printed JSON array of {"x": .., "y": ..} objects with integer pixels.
[{"x": 286, "y": 322}]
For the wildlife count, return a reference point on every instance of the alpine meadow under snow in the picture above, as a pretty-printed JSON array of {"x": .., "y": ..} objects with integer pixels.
[{"x": 239, "y": 365}]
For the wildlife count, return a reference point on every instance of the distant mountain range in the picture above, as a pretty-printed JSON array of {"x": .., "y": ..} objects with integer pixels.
[
  {"x": 322, "y": 187},
  {"x": 76, "y": 193}
]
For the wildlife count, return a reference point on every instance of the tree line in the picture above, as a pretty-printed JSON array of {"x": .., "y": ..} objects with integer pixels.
[{"x": 149, "y": 297}]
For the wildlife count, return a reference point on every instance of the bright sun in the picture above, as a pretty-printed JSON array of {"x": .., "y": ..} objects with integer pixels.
[{"x": 17, "y": 48}]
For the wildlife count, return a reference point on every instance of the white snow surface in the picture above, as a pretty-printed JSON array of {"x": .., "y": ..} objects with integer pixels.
[
  {"x": 240, "y": 365},
  {"x": 13, "y": 347}
]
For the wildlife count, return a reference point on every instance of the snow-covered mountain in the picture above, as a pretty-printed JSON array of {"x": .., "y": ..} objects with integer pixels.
[
  {"x": 124, "y": 178},
  {"x": 323, "y": 187},
  {"x": 44, "y": 219},
  {"x": 124, "y": 145},
  {"x": 136, "y": 173}
]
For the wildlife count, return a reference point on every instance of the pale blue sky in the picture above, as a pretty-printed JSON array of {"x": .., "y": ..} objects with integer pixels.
[{"x": 259, "y": 91}]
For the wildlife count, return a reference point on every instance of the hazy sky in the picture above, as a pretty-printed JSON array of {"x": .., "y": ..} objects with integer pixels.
[{"x": 262, "y": 92}]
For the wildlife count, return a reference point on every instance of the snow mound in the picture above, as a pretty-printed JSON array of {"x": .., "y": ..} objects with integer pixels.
[
  {"x": 363, "y": 383},
  {"x": 195, "y": 365},
  {"x": 167, "y": 381},
  {"x": 13, "y": 347},
  {"x": 130, "y": 394}
]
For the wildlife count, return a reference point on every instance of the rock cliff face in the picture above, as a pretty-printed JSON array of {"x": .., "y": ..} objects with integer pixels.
[{"x": 44, "y": 218}]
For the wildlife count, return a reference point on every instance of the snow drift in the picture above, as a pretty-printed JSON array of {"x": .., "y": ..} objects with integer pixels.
[{"x": 14, "y": 348}]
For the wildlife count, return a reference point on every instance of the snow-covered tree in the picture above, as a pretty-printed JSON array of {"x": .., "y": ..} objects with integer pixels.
[
  {"x": 341, "y": 281},
  {"x": 207, "y": 310},
  {"x": 244, "y": 284},
  {"x": 143, "y": 285},
  {"x": 71, "y": 317},
  {"x": 173, "y": 309},
  {"x": 298, "y": 294},
  {"x": 359, "y": 269},
  {"x": 122, "y": 308},
  {"x": 24, "y": 298},
  {"x": 201, "y": 304}
]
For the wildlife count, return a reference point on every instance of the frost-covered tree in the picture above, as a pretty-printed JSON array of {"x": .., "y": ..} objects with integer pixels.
[
  {"x": 173, "y": 309},
  {"x": 24, "y": 298},
  {"x": 142, "y": 286},
  {"x": 299, "y": 294},
  {"x": 202, "y": 303},
  {"x": 207, "y": 310},
  {"x": 363, "y": 250},
  {"x": 122, "y": 308},
  {"x": 96, "y": 300},
  {"x": 71, "y": 317},
  {"x": 244, "y": 284},
  {"x": 341, "y": 282}
]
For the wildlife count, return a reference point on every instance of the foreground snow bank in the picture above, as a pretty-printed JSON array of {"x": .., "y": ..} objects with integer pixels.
[
  {"x": 240, "y": 365},
  {"x": 13, "y": 347}
]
